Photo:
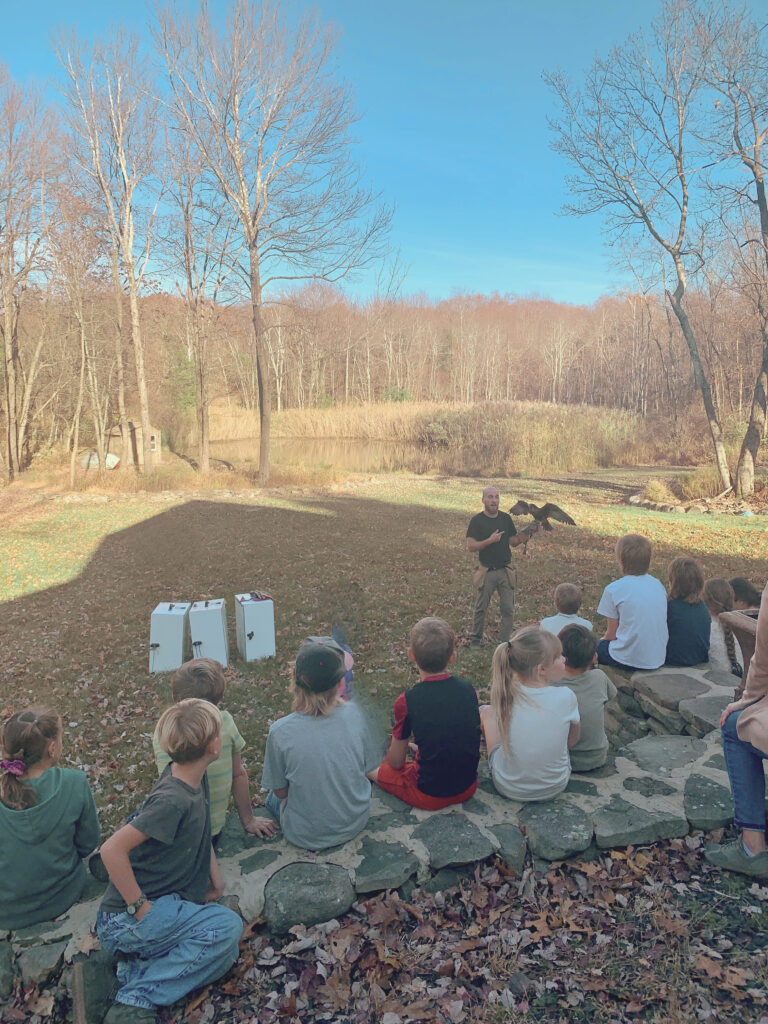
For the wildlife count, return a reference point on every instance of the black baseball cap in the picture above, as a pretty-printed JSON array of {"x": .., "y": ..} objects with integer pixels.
[{"x": 319, "y": 664}]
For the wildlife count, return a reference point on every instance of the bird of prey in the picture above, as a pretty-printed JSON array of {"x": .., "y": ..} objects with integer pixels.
[{"x": 542, "y": 514}]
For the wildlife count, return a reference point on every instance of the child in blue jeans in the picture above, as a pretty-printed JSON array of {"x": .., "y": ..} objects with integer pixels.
[{"x": 156, "y": 917}]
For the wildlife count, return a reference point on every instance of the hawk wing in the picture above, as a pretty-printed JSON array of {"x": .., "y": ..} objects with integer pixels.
[
  {"x": 555, "y": 512},
  {"x": 520, "y": 508}
]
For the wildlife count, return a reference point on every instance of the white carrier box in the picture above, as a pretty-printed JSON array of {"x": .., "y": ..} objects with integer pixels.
[
  {"x": 208, "y": 628},
  {"x": 167, "y": 634},
  {"x": 255, "y": 625}
]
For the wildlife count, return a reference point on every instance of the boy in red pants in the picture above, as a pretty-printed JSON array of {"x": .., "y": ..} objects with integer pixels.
[{"x": 441, "y": 714}]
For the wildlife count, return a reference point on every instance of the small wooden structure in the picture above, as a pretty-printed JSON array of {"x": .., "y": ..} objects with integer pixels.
[{"x": 115, "y": 444}]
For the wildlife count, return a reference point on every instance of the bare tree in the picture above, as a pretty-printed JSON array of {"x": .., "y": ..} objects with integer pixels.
[
  {"x": 261, "y": 102},
  {"x": 206, "y": 250},
  {"x": 113, "y": 119},
  {"x": 27, "y": 146},
  {"x": 736, "y": 53},
  {"x": 630, "y": 134}
]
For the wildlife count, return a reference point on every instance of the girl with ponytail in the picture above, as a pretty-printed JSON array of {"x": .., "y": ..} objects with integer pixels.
[
  {"x": 529, "y": 726},
  {"x": 48, "y": 822}
]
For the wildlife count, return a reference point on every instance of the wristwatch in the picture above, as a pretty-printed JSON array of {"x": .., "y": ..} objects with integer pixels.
[{"x": 132, "y": 908}]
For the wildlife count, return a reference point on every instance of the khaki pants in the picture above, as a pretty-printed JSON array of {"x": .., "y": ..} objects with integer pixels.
[{"x": 487, "y": 582}]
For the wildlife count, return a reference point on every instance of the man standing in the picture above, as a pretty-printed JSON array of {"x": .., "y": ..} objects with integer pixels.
[{"x": 492, "y": 533}]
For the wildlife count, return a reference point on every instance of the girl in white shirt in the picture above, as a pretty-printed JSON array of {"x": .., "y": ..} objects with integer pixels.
[{"x": 529, "y": 726}]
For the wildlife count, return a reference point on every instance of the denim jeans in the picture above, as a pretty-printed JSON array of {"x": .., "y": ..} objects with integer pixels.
[
  {"x": 745, "y": 772},
  {"x": 604, "y": 656},
  {"x": 176, "y": 947}
]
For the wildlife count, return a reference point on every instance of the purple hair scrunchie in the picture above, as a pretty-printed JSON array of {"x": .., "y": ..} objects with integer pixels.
[{"x": 13, "y": 767}]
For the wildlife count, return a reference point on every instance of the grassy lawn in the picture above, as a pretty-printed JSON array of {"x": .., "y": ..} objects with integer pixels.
[{"x": 78, "y": 582}]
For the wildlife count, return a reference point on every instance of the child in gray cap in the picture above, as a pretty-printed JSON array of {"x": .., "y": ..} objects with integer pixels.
[{"x": 318, "y": 759}]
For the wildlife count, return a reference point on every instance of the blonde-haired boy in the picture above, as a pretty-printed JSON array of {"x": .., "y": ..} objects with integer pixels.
[
  {"x": 162, "y": 861},
  {"x": 204, "y": 678},
  {"x": 568, "y": 603}
]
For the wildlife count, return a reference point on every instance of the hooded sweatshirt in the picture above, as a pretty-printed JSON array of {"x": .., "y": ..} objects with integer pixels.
[{"x": 41, "y": 848}]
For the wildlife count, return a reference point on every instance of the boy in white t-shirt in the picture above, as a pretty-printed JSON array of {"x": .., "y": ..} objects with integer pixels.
[
  {"x": 636, "y": 609},
  {"x": 567, "y": 602}
]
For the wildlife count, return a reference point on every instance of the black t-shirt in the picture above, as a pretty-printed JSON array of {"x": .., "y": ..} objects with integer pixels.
[
  {"x": 481, "y": 527},
  {"x": 177, "y": 856},
  {"x": 443, "y": 717}
]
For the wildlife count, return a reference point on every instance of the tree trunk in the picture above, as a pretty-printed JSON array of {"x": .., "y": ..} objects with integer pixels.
[
  {"x": 141, "y": 380},
  {"x": 750, "y": 446},
  {"x": 676, "y": 301},
  {"x": 78, "y": 406},
  {"x": 126, "y": 452},
  {"x": 265, "y": 399}
]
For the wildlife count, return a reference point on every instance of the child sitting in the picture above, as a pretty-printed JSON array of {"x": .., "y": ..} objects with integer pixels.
[
  {"x": 204, "y": 678},
  {"x": 724, "y": 653},
  {"x": 593, "y": 690},
  {"x": 442, "y": 715},
  {"x": 745, "y": 595},
  {"x": 48, "y": 822},
  {"x": 567, "y": 602},
  {"x": 636, "y": 609},
  {"x": 317, "y": 758},
  {"x": 162, "y": 872},
  {"x": 529, "y": 726},
  {"x": 688, "y": 621}
]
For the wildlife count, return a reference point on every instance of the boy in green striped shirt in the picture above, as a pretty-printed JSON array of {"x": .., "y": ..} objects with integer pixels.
[{"x": 204, "y": 678}]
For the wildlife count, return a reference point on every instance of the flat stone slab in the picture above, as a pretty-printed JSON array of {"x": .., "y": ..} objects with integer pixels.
[
  {"x": 576, "y": 785},
  {"x": 37, "y": 963},
  {"x": 257, "y": 861},
  {"x": 452, "y": 839},
  {"x": 660, "y": 754},
  {"x": 716, "y": 761},
  {"x": 704, "y": 712},
  {"x": 621, "y": 823},
  {"x": 556, "y": 829},
  {"x": 667, "y": 689},
  {"x": 708, "y": 805},
  {"x": 306, "y": 893},
  {"x": 384, "y": 865},
  {"x": 647, "y": 787},
  {"x": 672, "y": 721},
  {"x": 234, "y": 839},
  {"x": 512, "y": 845}
]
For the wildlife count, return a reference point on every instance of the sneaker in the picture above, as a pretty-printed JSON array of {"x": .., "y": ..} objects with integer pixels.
[
  {"x": 122, "y": 1013},
  {"x": 733, "y": 858}
]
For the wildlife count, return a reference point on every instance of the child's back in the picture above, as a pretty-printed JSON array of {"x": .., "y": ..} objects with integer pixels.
[
  {"x": 593, "y": 690},
  {"x": 323, "y": 759},
  {"x": 636, "y": 609},
  {"x": 48, "y": 822},
  {"x": 568, "y": 603},
  {"x": 441, "y": 715},
  {"x": 688, "y": 622}
]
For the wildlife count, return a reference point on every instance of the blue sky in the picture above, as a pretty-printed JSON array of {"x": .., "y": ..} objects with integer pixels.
[{"x": 453, "y": 129}]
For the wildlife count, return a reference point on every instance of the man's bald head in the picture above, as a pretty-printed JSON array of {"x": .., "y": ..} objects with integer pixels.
[{"x": 491, "y": 501}]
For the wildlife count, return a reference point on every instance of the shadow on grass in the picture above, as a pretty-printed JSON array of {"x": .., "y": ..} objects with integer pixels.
[{"x": 82, "y": 647}]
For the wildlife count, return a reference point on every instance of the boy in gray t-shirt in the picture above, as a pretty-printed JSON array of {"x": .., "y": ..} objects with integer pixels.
[
  {"x": 157, "y": 916},
  {"x": 593, "y": 690},
  {"x": 318, "y": 759}
]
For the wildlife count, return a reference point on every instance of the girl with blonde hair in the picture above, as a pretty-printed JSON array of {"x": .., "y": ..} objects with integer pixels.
[{"x": 529, "y": 726}]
